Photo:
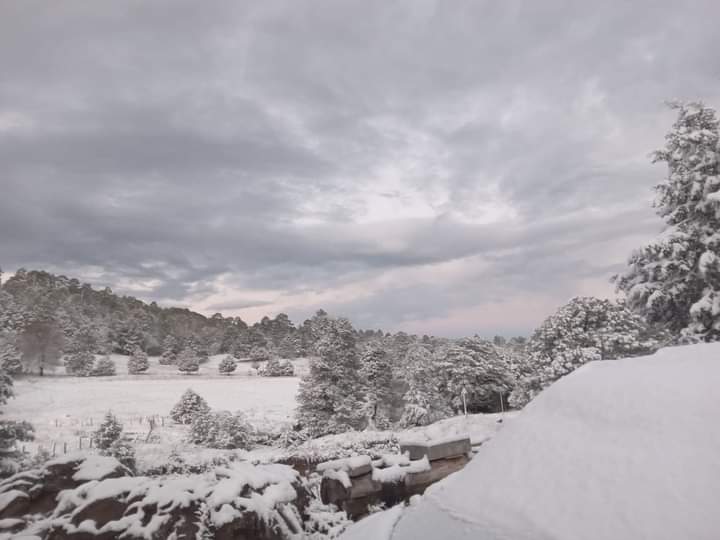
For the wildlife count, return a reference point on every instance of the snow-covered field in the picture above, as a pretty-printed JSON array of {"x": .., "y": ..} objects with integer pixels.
[{"x": 65, "y": 410}]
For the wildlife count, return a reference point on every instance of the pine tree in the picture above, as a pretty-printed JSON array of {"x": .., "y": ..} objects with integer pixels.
[
  {"x": 189, "y": 406},
  {"x": 424, "y": 402},
  {"x": 331, "y": 396},
  {"x": 10, "y": 430},
  {"x": 260, "y": 354},
  {"x": 474, "y": 365},
  {"x": 227, "y": 365},
  {"x": 10, "y": 356},
  {"x": 675, "y": 279},
  {"x": 104, "y": 367},
  {"x": 110, "y": 430},
  {"x": 187, "y": 361},
  {"x": 376, "y": 373},
  {"x": 169, "y": 354},
  {"x": 138, "y": 362},
  {"x": 80, "y": 364}
]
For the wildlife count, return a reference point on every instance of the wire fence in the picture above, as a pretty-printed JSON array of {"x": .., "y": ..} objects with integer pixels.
[{"x": 137, "y": 429}]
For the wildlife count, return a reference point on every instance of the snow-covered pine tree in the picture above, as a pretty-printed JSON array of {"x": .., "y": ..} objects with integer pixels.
[
  {"x": 376, "y": 374},
  {"x": 189, "y": 406},
  {"x": 10, "y": 430},
  {"x": 10, "y": 356},
  {"x": 104, "y": 367},
  {"x": 80, "y": 364},
  {"x": 424, "y": 402},
  {"x": 108, "y": 432},
  {"x": 583, "y": 330},
  {"x": 331, "y": 394},
  {"x": 138, "y": 362},
  {"x": 260, "y": 354},
  {"x": 675, "y": 279},
  {"x": 187, "y": 361},
  {"x": 169, "y": 354},
  {"x": 473, "y": 364},
  {"x": 227, "y": 365}
]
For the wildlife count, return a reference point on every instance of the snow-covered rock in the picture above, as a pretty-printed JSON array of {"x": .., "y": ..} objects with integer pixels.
[
  {"x": 77, "y": 498},
  {"x": 617, "y": 450}
]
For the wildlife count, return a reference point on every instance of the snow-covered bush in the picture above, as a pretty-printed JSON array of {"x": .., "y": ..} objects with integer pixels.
[
  {"x": 104, "y": 367},
  {"x": 227, "y": 365},
  {"x": 675, "y": 279},
  {"x": 187, "y": 361},
  {"x": 583, "y": 330},
  {"x": 189, "y": 406},
  {"x": 220, "y": 429},
  {"x": 122, "y": 450},
  {"x": 80, "y": 364},
  {"x": 138, "y": 362},
  {"x": 109, "y": 431},
  {"x": 275, "y": 368}
]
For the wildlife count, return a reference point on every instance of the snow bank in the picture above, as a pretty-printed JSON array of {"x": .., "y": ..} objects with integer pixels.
[
  {"x": 378, "y": 526},
  {"x": 397, "y": 473},
  {"x": 617, "y": 450},
  {"x": 96, "y": 468},
  {"x": 344, "y": 464}
]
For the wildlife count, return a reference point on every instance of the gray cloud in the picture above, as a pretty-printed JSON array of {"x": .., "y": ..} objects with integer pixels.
[{"x": 406, "y": 165}]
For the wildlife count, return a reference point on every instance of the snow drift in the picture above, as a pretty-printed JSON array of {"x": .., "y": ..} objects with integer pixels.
[{"x": 617, "y": 450}]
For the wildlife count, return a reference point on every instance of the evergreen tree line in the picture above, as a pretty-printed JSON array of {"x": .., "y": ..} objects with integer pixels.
[{"x": 44, "y": 317}]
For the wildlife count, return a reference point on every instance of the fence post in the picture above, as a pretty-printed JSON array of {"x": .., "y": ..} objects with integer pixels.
[
  {"x": 53, "y": 449},
  {"x": 64, "y": 448}
]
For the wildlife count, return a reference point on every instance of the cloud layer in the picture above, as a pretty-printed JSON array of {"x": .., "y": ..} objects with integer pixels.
[{"x": 436, "y": 167}]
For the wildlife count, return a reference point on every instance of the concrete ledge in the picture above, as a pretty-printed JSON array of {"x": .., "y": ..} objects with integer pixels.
[{"x": 437, "y": 450}]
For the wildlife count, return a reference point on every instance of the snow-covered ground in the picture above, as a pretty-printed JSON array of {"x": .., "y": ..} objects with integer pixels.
[
  {"x": 65, "y": 409},
  {"x": 617, "y": 450}
]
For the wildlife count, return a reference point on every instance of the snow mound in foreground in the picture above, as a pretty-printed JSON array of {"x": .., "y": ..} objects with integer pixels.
[{"x": 617, "y": 450}]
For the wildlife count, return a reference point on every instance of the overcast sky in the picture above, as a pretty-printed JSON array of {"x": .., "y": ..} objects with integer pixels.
[{"x": 436, "y": 167}]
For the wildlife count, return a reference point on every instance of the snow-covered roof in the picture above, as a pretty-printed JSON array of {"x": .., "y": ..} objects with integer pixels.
[{"x": 617, "y": 450}]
